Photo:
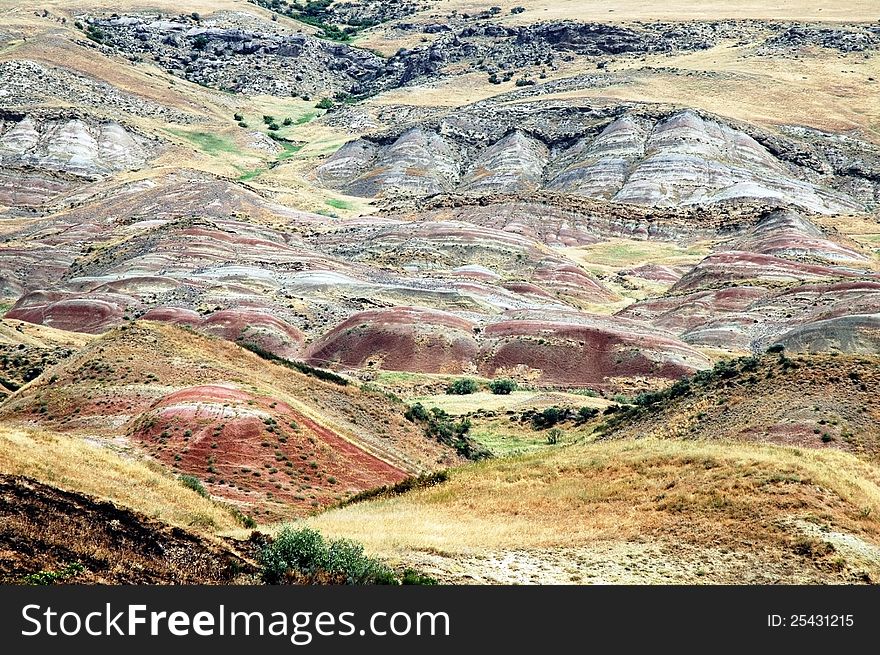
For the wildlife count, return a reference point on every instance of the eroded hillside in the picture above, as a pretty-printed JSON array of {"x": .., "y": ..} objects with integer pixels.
[{"x": 240, "y": 241}]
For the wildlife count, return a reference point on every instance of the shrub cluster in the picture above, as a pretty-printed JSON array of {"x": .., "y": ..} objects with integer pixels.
[
  {"x": 320, "y": 373},
  {"x": 298, "y": 555},
  {"x": 502, "y": 387},
  {"x": 462, "y": 387},
  {"x": 444, "y": 428},
  {"x": 192, "y": 482}
]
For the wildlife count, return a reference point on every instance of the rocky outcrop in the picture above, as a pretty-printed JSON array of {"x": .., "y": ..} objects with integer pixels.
[
  {"x": 44, "y": 155},
  {"x": 844, "y": 38},
  {"x": 672, "y": 160}
]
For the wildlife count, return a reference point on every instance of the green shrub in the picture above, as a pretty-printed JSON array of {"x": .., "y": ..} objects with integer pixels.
[
  {"x": 441, "y": 426},
  {"x": 287, "y": 121},
  {"x": 502, "y": 387},
  {"x": 587, "y": 413},
  {"x": 268, "y": 120},
  {"x": 325, "y": 103},
  {"x": 300, "y": 550},
  {"x": 416, "y": 412},
  {"x": 553, "y": 436},
  {"x": 413, "y": 577},
  {"x": 192, "y": 482},
  {"x": 305, "y": 552},
  {"x": 462, "y": 387},
  {"x": 776, "y": 348},
  {"x": 44, "y": 578},
  {"x": 422, "y": 481},
  {"x": 547, "y": 418},
  {"x": 320, "y": 373}
]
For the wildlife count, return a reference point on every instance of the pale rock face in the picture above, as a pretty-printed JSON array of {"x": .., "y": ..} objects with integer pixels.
[
  {"x": 71, "y": 145},
  {"x": 419, "y": 162},
  {"x": 349, "y": 162},
  {"x": 599, "y": 167},
  {"x": 689, "y": 160},
  {"x": 681, "y": 160},
  {"x": 512, "y": 165}
]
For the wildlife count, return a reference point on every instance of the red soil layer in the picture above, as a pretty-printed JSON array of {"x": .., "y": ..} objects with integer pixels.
[
  {"x": 400, "y": 338},
  {"x": 257, "y": 452},
  {"x": 90, "y": 314},
  {"x": 525, "y": 288},
  {"x": 728, "y": 267},
  {"x": 242, "y": 324},
  {"x": 573, "y": 354}
]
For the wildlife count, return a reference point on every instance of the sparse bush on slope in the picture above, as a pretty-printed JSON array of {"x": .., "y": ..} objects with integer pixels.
[
  {"x": 502, "y": 387},
  {"x": 462, "y": 387},
  {"x": 441, "y": 426},
  {"x": 320, "y": 373},
  {"x": 192, "y": 482},
  {"x": 303, "y": 555}
]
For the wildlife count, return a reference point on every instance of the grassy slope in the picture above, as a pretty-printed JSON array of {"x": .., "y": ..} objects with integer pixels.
[
  {"x": 752, "y": 500},
  {"x": 76, "y": 464},
  {"x": 107, "y": 391},
  {"x": 820, "y": 401}
]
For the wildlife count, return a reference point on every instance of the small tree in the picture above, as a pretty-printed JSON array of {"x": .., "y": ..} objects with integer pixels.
[
  {"x": 502, "y": 387},
  {"x": 586, "y": 413},
  {"x": 324, "y": 103},
  {"x": 553, "y": 436},
  {"x": 192, "y": 482},
  {"x": 462, "y": 387}
]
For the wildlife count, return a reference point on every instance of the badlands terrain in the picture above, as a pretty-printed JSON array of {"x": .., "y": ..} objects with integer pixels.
[{"x": 515, "y": 292}]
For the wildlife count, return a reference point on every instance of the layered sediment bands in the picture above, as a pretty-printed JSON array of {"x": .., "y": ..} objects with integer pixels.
[
  {"x": 400, "y": 338},
  {"x": 66, "y": 311},
  {"x": 674, "y": 159},
  {"x": 785, "y": 233},
  {"x": 784, "y": 280},
  {"x": 243, "y": 325},
  {"x": 253, "y": 431},
  {"x": 513, "y": 165},
  {"x": 859, "y": 333},
  {"x": 43, "y": 156},
  {"x": 419, "y": 162},
  {"x": 582, "y": 349},
  {"x": 553, "y": 347}
]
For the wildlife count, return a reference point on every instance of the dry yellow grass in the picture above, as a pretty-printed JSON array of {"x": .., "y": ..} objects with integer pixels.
[
  {"x": 625, "y": 10},
  {"x": 456, "y": 405},
  {"x": 41, "y": 336},
  {"x": 74, "y": 464},
  {"x": 696, "y": 492}
]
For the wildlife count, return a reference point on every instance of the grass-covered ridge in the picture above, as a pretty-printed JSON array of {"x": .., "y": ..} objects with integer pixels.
[{"x": 743, "y": 497}]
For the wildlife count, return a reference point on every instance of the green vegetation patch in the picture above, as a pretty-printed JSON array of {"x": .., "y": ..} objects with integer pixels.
[
  {"x": 303, "y": 555},
  {"x": 338, "y": 204},
  {"x": 211, "y": 144}
]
